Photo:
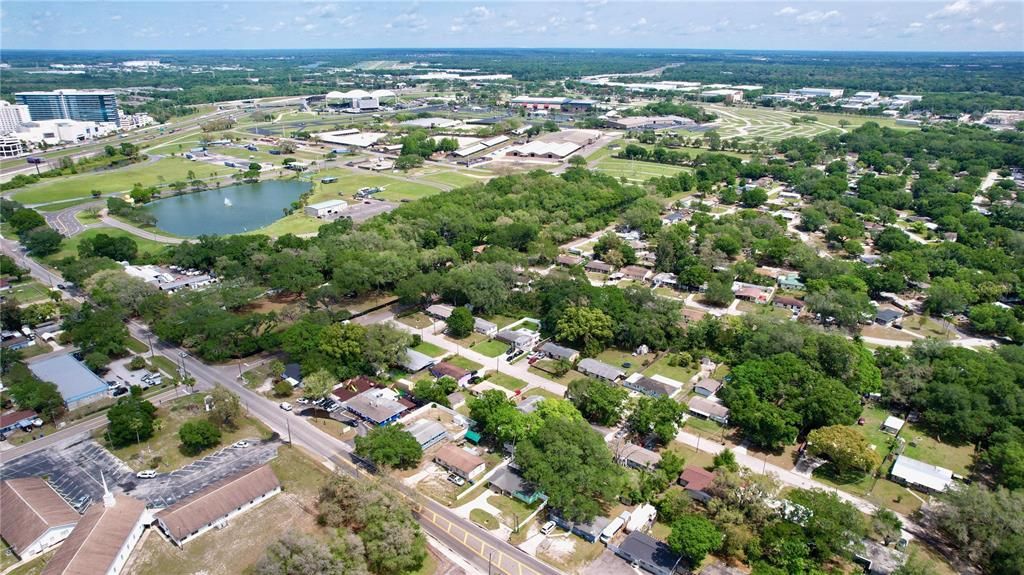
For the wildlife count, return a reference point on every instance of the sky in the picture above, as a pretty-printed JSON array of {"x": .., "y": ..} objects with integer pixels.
[{"x": 892, "y": 25}]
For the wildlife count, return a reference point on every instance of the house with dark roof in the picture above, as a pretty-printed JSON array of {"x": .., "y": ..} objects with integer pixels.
[
  {"x": 377, "y": 406},
  {"x": 636, "y": 273},
  {"x": 218, "y": 503},
  {"x": 13, "y": 420},
  {"x": 103, "y": 539},
  {"x": 707, "y": 387},
  {"x": 647, "y": 386},
  {"x": 594, "y": 368},
  {"x": 510, "y": 483},
  {"x": 599, "y": 267},
  {"x": 648, "y": 553},
  {"x": 887, "y": 317},
  {"x": 555, "y": 351},
  {"x": 790, "y": 303},
  {"x": 696, "y": 482},
  {"x": 568, "y": 260},
  {"x": 33, "y": 517},
  {"x": 589, "y": 531},
  {"x": 445, "y": 369},
  {"x": 353, "y": 387},
  {"x": 292, "y": 374},
  {"x": 460, "y": 462}
]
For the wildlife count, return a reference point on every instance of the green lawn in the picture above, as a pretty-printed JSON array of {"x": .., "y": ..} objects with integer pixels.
[
  {"x": 418, "y": 320},
  {"x": 87, "y": 217},
  {"x": 490, "y": 348},
  {"x": 429, "y": 349},
  {"x": 543, "y": 393},
  {"x": 79, "y": 186},
  {"x": 513, "y": 511},
  {"x": 637, "y": 171},
  {"x": 507, "y": 381},
  {"x": 922, "y": 447},
  {"x": 464, "y": 363},
  {"x": 69, "y": 247},
  {"x": 29, "y": 291},
  {"x": 63, "y": 205},
  {"x": 395, "y": 189},
  {"x": 679, "y": 373},
  {"x": 530, "y": 325},
  {"x": 136, "y": 345},
  {"x": 618, "y": 357},
  {"x": 483, "y": 518},
  {"x": 452, "y": 179}
]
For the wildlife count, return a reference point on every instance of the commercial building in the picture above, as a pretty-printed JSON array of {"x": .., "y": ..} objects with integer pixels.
[
  {"x": 326, "y": 209},
  {"x": 12, "y": 116},
  {"x": 564, "y": 104},
  {"x": 921, "y": 475},
  {"x": 103, "y": 539},
  {"x": 377, "y": 406},
  {"x": 358, "y": 100},
  {"x": 85, "y": 105},
  {"x": 648, "y": 122},
  {"x": 820, "y": 92},
  {"x": 34, "y": 516},
  {"x": 547, "y": 150},
  {"x": 53, "y": 132},
  {"x": 75, "y": 382},
  {"x": 214, "y": 506},
  {"x": 459, "y": 461},
  {"x": 10, "y": 146}
]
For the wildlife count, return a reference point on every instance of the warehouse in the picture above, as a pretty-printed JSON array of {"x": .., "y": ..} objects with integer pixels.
[
  {"x": 548, "y": 150},
  {"x": 326, "y": 209},
  {"x": 75, "y": 382}
]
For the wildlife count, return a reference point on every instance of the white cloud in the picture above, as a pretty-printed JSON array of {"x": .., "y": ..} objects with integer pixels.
[
  {"x": 788, "y": 10},
  {"x": 309, "y": 27},
  {"x": 479, "y": 13},
  {"x": 912, "y": 28},
  {"x": 115, "y": 17},
  {"x": 323, "y": 10},
  {"x": 945, "y": 27},
  {"x": 815, "y": 16},
  {"x": 957, "y": 9},
  {"x": 346, "y": 22},
  {"x": 410, "y": 21},
  {"x": 252, "y": 28},
  {"x": 999, "y": 27}
]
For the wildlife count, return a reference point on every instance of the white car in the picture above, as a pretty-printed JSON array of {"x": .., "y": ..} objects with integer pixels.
[
  {"x": 286, "y": 406},
  {"x": 547, "y": 528},
  {"x": 456, "y": 480},
  {"x": 147, "y": 474},
  {"x": 240, "y": 444}
]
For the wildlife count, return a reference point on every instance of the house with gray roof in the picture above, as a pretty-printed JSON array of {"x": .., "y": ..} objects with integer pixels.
[
  {"x": 555, "y": 351},
  {"x": 427, "y": 433},
  {"x": 647, "y": 386},
  {"x": 520, "y": 338},
  {"x": 509, "y": 482},
  {"x": 920, "y": 475},
  {"x": 415, "y": 361},
  {"x": 594, "y": 368},
  {"x": 485, "y": 327},
  {"x": 648, "y": 553}
]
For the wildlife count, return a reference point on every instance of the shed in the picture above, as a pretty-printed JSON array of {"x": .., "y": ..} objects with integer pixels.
[
  {"x": 893, "y": 425},
  {"x": 325, "y": 209},
  {"x": 594, "y": 368}
]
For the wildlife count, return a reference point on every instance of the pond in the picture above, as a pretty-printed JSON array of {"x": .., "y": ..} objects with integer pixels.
[{"x": 228, "y": 210}]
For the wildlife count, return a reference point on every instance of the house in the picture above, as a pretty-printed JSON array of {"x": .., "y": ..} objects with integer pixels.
[
  {"x": 520, "y": 338},
  {"x": 887, "y": 317},
  {"x": 353, "y": 387},
  {"x": 696, "y": 481},
  {"x": 529, "y": 404},
  {"x": 665, "y": 279},
  {"x": 510, "y": 483},
  {"x": 707, "y": 387},
  {"x": 892, "y": 425},
  {"x": 636, "y": 273},
  {"x": 921, "y": 475},
  {"x": 751, "y": 292},
  {"x": 673, "y": 218},
  {"x": 377, "y": 406},
  {"x": 77, "y": 384},
  {"x": 485, "y": 327},
  {"x": 631, "y": 455},
  {"x": 460, "y": 462},
  {"x": 568, "y": 260},
  {"x": 648, "y": 386},
  {"x": 292, "y": 374},
  {"x": 445, "y": 369},
  {"x": 439, "y": 311},
  {"x": 709, "y": 410},
  {"x": 214, "y": 506},
  {"x": 594, "y": 368},
  {"x": 427, "y": 433},
  {"x": 648, "y": 553},
  {"x": 103, "y": 539},
  {"x": 456, "y": 399},
  {"x": 589, "y": 531},
  {"x": 415, "y": 361},
  {"x": 598, "y": 267},
  {"x": 14, "y": 420},
  {"x": 555, "y": 351},
  {"x": 790, "y": 303},
  {"x": 790, "y": 281},
  {"x": 34, "y": 516},
  {"x": 877, "y": 559}
]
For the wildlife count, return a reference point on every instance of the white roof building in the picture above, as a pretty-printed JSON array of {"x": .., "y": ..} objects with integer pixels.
[{"x": 920, "y": 474}]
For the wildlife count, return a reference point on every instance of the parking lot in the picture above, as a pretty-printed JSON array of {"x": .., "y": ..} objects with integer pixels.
[
  {"x": 77, "y": 472},
  {"x": 366, "y": 209}
]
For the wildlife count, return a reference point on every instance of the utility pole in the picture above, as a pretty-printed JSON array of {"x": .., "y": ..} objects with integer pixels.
[{"x": 288, "y": 425}]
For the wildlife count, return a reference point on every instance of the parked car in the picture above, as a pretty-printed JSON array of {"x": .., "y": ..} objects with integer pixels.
[
  {"x": 547, "y": 528},
  {"x": 285, "y": 406},
  {"x": 456, "y": 480},
  {"x": 147, "y": 474},
  {"x": 119, "y": 391},
  {"x": 240, "y": 444}
]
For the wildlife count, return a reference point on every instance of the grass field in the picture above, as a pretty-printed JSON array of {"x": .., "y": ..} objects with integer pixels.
[
  {"x": 452, "y": 179},
  {"x": 507, "y": 381},
  {"x": 774, "y": 125},
  {"x": 635, "y": 171},
  {"x": 63, "y": 205},
  {"x": 81, "y": 186},
  {"x": 677, "y": 372},
  {"x": 464, "y": 363},
  {"x": 395, "y": 189},
  {"x": 490, "y": 348},
  {"x": 69, "y": 247},
  {"x": 29, "y": 291},
  {"x": 429, "y": 349}
]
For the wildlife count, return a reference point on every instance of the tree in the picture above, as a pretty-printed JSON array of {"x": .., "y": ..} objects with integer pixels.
[
  {"x": 98, "y": 330},
  {"x": 227, "y": 408},
  {"x": 282, "y": 389},
  {"x": 25, "y": 219},
  {"x": 599, "y": 402},
  {"x": 753, "y": 197},
  {"x": 498, "y": 417},
  {"x": 29, "y": 392},
  {"x": 117, "y": 248},
  {"x": 318, "y": 384},
  {"x": 725, "y": 460},
  {"x": 570, "y": 463},
  {"x": 436, "y": 391},
  {"x": 1005, "y": 457},
  {"x": 830, "y": 524},
  {"x": 385, "y": 345},
  {"x": 389, "y": 446},
  {"x": 42, "y": 241},
  {"x": 300, "y": 554},
  {"x": 96, "y": 361},
  {"x": 460, "y": 323},
  {"x": 694, "y": 537},
  {"x": 197, "y": 435},
  {"x": 719, "y": 292},
  {"x": 887, "y": 525},
  {"x": 657, "y": 416},
  {"x": 984, "y": 525},
  {"x": 845, "y": 447},
  {"x": 408, "y": 162},
  {"x": 116, "y": 288},
  {"x": 588, "y": 327},
  {"x": 130, "y": 421}
]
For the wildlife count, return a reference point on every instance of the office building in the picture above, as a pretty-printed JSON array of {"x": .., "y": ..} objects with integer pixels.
[
  {"x": 90, "y": 106},
  {"x": 10, "y": 147}
]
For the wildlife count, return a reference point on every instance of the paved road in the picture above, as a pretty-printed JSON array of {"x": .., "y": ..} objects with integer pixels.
[
  {"x": 66, "y": 222},
  {"x": 438, "y": 521}
]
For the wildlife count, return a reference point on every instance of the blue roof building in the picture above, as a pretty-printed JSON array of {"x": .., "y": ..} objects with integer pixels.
[{"x": 75, "y": 382}]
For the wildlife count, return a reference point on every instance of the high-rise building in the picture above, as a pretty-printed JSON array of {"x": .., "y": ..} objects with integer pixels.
[
  {"x": 12, "y": 116},
  {"x": 84, "y": 105}
]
